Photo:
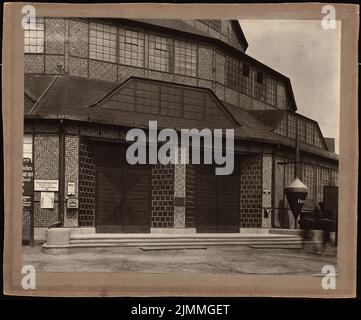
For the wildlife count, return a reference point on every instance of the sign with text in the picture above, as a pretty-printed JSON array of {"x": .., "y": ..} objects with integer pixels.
[{"x": 46, "y": 185}]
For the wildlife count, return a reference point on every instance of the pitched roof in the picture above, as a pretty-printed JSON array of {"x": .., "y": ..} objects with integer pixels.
[{"x": 77, "y": 98}]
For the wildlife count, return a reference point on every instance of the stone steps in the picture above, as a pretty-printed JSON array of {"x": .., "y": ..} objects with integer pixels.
[{"x": 177, "y": 241}]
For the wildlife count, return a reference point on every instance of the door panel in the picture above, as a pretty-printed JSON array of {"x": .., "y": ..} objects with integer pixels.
[
  {"x": 217, "y": 201},
  {"x": 123, "y": 201},
  {"x": 109, "y": 200},
  {"x": 206, "y": 200}
]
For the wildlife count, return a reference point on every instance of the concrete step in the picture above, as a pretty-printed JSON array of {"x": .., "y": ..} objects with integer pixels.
[
  {"x": 180, "y": 239},
  {"x": 172, "y": 248}
]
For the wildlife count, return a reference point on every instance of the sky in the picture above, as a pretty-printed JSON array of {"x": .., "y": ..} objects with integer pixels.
[{"x": 310, "y": 56}]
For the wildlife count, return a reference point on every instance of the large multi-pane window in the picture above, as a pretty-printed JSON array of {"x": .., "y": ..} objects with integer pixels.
[
  {"x": 159, "y": 53},
  {"x": 131, "y": 47},
  {"x": 259, "y": 89},
  {"x": 301, "y": 130},
  {"x": 194, "y": 104},
  {"x": 246, "y": 83},
  {"x": 233, "y": 73},
  {"x": 238, "y": 75},
  {"x": 309, "y": 179},
  {"x": 171, "y": 101},
  {"x": 185, "y": 58},
  {"x": 292, "y": 126},
  {"x": 102, "y": 42},
  {"x": 34, "y": 36},
  {"x": 318, "y": 142},
  {"x": 282, "y": 127},
  {"x": 147, "y": 97},
  {"x": 271, "y": 91},
  {"x": 334, "y": 177},
  {"x": 168, "y": 100},
  {"x": 323, "y": 180},
  {"x": 310, "y": 133}
]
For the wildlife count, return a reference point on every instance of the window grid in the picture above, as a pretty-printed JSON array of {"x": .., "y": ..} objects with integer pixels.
[
  {"x": 171, "y": 101},
  {"x": 323, "y": 180},
  {"x": 34, "y": 37},
  {"x": 308, "y": 179},
  {"x": 102, "y": 42},
  {"x": 131, "y": 47},
  {"x": 147, "y": 97},
  {"x": 159, "y": 53},
  {"x": 194, "y": 104},
  {"x": 309, "y": 133},
  {"x": 292, "y": 127},
  {"x": 233, "y": 73},
  {"x": 282, "y": 127},
  {"x": 334, "y": 177},
  {"x": 212, "y": 113},
  {"x": 185, "y": 58},
  {"x": 301, "y": 130},
  {"x": 259, "y": 88},
  {"x": 246, "y": 84},
  {"x": 318, "y": 142},
  {"x": 271, "y": 91}
]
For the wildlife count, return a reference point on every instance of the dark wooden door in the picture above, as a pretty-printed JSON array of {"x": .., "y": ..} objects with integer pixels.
[
  {"x": 123, "y": 202},
  {"x": 217, "y": 201}
]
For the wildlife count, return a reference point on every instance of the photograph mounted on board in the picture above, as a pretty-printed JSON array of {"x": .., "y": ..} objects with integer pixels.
[{"x": 215, "y": 156}]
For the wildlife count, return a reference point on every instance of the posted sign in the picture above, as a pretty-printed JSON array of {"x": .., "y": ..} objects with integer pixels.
[
  {"x": 46, "y": 185},
  {"x": 28, "y": 183}
]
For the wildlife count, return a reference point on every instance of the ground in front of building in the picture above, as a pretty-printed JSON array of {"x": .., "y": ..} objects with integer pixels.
[{"x": 217, "y": 259}]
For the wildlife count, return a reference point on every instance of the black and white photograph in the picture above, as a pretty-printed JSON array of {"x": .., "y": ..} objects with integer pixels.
[{"x": 194, "y": 146}]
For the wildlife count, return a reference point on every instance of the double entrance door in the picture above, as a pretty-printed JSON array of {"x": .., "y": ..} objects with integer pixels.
[
  {"x": 123, "y": 192},
  {"x": 217, "y": 201}
]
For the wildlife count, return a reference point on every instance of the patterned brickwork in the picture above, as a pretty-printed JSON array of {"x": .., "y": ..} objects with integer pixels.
[
  {"x": 45, "y": 217},
  {"x": 46, "y": 156},
  {"x": 190, "y": 196},
  {"x": 78, "y": 67},
  {"x": 54, "y": 64},
  {"x": 46, "y": 166},
  {"x": 267, "y": 188},
  {"x": 163, "y": 196},
  {"x": 102, "y": 70},
  {"x": 55, "y": 35},
  {"x": 78, "y": 38},
  {"x": 33, "y": 63},
  {"x": 251, "y": 192},
  {"x": 71, "y": 175},
  {"x": 86, "y": 185}
]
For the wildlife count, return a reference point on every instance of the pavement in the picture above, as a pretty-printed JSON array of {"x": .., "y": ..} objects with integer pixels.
[{"x": 214, "y": 259}]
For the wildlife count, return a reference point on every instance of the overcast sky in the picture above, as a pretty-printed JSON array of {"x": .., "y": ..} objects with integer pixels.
[{"x": 310, "y": 57}]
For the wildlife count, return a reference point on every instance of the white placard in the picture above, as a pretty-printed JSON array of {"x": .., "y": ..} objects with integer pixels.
[
  {"x": 46, "y": 185},
  {"x": 47, "y": 200}
]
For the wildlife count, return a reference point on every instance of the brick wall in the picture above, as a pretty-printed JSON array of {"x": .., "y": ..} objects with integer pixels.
[
  {"x": 190, "y": 197},
  {"x": 71, "y": 175},
  {"x": 251, "y": 192},
  {"x": 86, "y": 185},
  {"x": 163, "y": 196},
  {"x": 46, "y": 167}
]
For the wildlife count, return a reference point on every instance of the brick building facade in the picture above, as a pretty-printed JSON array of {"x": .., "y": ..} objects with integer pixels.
[{"x": 88, "y": 81}]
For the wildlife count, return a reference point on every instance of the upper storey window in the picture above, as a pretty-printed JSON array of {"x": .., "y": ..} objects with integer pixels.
[
  {"x": 159, "y": 53},
  {"x": 131, "y": 47},
  {"x": 238, "y": 75},
  {"x": 102, "y": 42},
  {"x": 185, "y": 58},
  {"x": 307, "y": 130},
  {"x": 34, "y": 37}
]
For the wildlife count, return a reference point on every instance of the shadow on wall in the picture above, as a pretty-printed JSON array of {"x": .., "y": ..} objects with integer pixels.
[{"x": 283, "y": 215}]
